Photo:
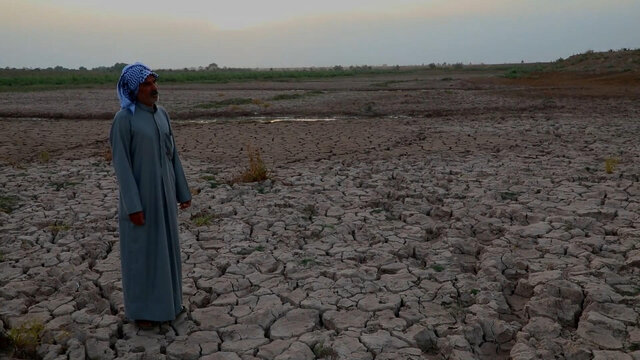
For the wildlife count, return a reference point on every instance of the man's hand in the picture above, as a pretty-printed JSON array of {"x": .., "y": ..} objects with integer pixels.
[
  {"x": 185, "y": 205},
  {"x": 137, "y": 218}
]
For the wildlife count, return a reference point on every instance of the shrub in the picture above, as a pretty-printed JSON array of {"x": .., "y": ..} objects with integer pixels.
[
  {"x": 256, "y": 171},
  {"x": 322, "y": 352},
  {"x": 202, "y": 218},
  {"x": 57, "y": 227},
  {"x": 8, "y": 203},
  {"x": 107, "y": 154},
  {"x": 610, "y": 165},
  {"x": 44, "y": 156},
  {"x": 25, "y": 339}
]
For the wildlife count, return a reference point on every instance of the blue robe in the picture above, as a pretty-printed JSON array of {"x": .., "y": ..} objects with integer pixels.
[{"x": 151, "y": 180}]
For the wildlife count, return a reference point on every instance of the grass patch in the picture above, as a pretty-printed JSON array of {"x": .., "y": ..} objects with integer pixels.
[
  {"x": 202, "y": 218},
  {"x": 306, "y": 262},
  {"x": 323, "y": 352},
  {"x": 310, "y": 211},
  {"x": 610, "y": 165},
  {"x": 517, "y": 72},
  {"x": 41, "y": 79},
  {"x": 474, "y": 292},
  {"x": 256, "y": 170},
  {"x": 25, "y": 339},
  {"x": 508, "y": 195},
  {"x": 59, "y": 185},
  {"x": 44, "y": 156},
  {"x": 8, "y": 203},
  {"x": 213, "y": 183},
  {"x": 437, "y": 267},
  {"x": 58, "y": 227}
]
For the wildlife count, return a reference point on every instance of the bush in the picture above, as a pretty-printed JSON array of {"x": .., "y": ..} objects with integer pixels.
[
  {"x": 256, "y": 171},
  {"x": 25, "y": 339},
  {"x": 610, "y": 165}
]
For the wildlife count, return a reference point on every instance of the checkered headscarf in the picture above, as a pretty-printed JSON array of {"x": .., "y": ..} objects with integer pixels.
[{"x": 130, "y": 79}]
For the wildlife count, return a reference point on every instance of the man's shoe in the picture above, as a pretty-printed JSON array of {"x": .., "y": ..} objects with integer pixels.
[{"x": 145, "y": 324}]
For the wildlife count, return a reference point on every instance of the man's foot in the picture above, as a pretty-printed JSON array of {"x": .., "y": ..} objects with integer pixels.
[{"x": 145, "y": 324}]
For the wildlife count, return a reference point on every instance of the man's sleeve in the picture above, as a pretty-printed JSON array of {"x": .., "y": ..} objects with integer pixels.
[
  {"x": 120, "y": 139},
  {"x": 182, "y": 188}
]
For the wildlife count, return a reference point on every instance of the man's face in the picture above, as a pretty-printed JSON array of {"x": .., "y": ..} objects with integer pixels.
[{"x": 148, "y": 91}]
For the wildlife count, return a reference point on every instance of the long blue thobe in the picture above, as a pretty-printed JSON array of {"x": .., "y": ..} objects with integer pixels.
[{"x": 151, "y": 180}]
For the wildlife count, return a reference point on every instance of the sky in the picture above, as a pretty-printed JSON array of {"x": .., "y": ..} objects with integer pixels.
[{"x": 299, "y": 33}]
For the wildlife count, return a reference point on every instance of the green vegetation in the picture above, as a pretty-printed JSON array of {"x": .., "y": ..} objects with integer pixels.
[
  {"x": 44, "y": 156},
  {"x": 25, "y": 339},
  {"x": 310, "y": 211},
  {"x": 520, "y": 71},
  {"x": 508, "y": 195},
  {"x": 59, "y": 185},
  {"x": 8, "y": 203},
  {"x": 437, "y": 268},
  {"x": 610, "y": 165},
  {"x": 213, "y": 183},
  {"x": 60, "y": 77},
  {"x": 41, "y": 79},
  {"x": 58, "y": 227},
  {"x": 307, "y": 262},
  {"x": 322, "y": 352},
  {"x": 202, "y": 218}
]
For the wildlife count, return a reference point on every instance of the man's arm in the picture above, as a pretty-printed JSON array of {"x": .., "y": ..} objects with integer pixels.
[
  {"x": 120, "y": 139},
  {"x": 183, "y": 195}
]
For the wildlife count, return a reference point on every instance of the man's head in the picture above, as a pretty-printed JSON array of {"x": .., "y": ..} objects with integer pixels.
[
  {"x": 137, "y": 83},
  {"x": 148, "y": 91}
]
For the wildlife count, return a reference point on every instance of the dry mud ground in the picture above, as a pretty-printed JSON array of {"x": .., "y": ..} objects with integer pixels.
[{"x": 434, "y": 216}]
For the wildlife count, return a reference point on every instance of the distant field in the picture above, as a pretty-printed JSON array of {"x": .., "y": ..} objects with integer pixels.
[
  {"x": 607, "y": 62},
  {"x": 25, "y": 80},
  {"x": 36, "y": 79}
]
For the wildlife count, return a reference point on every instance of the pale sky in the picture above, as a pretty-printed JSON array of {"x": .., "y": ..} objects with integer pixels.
[{"x": 289, "y": 33}]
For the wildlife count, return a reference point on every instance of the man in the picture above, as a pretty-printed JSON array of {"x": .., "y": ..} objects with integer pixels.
[{"x": 151, "y": 183}]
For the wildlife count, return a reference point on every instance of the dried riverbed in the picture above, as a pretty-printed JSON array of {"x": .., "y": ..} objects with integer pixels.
[{"x": 487, "y": 228}]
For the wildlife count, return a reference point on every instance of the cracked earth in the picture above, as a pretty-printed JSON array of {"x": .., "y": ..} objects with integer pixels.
[{"x": 491, "y": 235}]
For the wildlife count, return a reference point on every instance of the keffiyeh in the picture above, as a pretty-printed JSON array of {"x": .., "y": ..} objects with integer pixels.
[{"x": 130, "y": 79}]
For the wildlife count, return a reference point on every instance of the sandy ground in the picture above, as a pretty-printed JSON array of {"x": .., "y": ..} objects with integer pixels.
[{"x": 439, "y": 216}]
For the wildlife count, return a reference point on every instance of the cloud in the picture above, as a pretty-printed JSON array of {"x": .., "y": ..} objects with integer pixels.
[{"x": 412, "y": 32}]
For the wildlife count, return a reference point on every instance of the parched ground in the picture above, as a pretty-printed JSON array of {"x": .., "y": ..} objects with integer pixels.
[{"x": 440, "y": 216}]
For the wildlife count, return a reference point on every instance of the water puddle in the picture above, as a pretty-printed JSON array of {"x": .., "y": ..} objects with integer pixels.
[
  {"x": 273, "y": 120},
  {"x": 258, "y": 119}
]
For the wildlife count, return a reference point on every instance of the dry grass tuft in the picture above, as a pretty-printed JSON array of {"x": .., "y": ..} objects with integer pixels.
[
  {"x": 202, "y": 218},
  {"x": 44, "y": 156},
  {"x": 25, "y": 339},
  {"x": 107, "y": 154},
  {"x": 610, "y": 165},
  {"x": 256, "y": 171}
]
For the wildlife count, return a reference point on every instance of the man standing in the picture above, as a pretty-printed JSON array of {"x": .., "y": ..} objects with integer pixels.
[{"x": 151, "y": 183}]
